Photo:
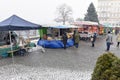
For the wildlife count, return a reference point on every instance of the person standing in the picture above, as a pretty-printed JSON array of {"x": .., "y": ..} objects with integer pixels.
[
  {"x": 93, "y": 39},
  {"x": 77, "y": 39},
  {"x": 74, "y": 37},
  {"x": 13, "y": 38},
  {"x": 64, "y": 40},
  {"x": 118, "y": 39},
  {"x": 108, "y": 40}
]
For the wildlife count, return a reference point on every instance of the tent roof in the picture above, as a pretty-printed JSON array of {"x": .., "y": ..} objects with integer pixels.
[
  {"x": 107, "y": 25},
  {"x": 81, "y": 23},
  {"x": 61, "y": 26},
  {"x": 16, "y": 23}
]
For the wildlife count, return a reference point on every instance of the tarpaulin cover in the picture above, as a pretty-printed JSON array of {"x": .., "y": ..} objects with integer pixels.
[
  {"x": 64, "y": 26},
  {"x": 54, "y": 43}
]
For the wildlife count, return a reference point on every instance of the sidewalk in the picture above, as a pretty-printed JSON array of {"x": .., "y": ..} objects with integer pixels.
[{"x": 57, "y": 64}]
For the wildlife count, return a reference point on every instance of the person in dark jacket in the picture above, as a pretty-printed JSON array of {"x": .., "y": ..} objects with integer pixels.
[
  {"x": 109, "y": 40},
  {"x": 13, "y": 38},
  {"x": 74, "y": 36},
  {"x": 93, "y": 39},
  {"x": 76, "y": 39},
  {"x": 64, "y": 39}
]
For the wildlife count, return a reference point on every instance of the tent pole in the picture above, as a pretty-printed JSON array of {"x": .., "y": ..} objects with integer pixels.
[
  {"x": 12, "y": 54},
  {"x": 11, "y": 47},
  {"x": 59, "y": 33}
]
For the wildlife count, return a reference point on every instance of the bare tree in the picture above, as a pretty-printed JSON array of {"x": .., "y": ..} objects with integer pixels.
[{"x": 64, "y": 14}]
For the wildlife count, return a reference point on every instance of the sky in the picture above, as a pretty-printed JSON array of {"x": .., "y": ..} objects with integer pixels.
[{"x": 42, "y": 11}]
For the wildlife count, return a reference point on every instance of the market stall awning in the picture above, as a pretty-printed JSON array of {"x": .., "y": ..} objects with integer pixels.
[
  {"x": 16, "y": 23},
  {"x": 82, "y": 23},
  {"x": 107, "y": 25},
  {"x": 64, "y": 26}
]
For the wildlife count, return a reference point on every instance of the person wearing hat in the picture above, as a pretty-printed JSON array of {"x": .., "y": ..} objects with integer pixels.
[
  {"x": 93, "y": 39},
  {"x": 64, "y": 40}
]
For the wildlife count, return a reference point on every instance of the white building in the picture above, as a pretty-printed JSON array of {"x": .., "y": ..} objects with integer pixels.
[{"x": 109, "y": 12}]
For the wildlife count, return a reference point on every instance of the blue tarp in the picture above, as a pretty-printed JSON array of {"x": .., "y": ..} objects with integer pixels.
[
  {"x": 54, "y": 43},
  {"x": 16, "y": 23},
  {"x": 107, "y": 25},
  {"x": 61, "y": 27},
  {"x": 64, "y": 26}
]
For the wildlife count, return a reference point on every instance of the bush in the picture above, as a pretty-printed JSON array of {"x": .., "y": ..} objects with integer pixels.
[
  {"x": 107, "y": 68},
  {"x": 115, "y": 70}
]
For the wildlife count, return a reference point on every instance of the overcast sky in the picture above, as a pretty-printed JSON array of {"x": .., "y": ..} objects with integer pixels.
[{"x": 41, "y": 11}]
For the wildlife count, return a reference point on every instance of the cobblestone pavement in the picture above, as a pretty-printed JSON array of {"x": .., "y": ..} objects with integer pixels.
[{"x": 72, "y": 59}]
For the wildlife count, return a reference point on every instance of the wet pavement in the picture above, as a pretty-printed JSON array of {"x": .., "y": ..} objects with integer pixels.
[{"x": 73, "y": 59}]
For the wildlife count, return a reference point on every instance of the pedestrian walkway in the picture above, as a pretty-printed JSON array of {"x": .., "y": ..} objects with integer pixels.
[
  {"x": 21, "y": 72},
  {"x": 57, "y": 64}
]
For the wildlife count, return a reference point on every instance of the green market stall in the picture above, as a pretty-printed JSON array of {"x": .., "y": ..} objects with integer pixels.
[
  {"x": 42, "y": 32},
  {"x": 15, "y": 23}
]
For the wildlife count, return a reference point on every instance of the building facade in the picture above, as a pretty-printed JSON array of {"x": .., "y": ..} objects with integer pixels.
[{"x": 109, "y": 12}]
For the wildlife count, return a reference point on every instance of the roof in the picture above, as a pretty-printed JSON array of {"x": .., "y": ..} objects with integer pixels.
[
  {"x": 16, "y": 23},
  {"x": 81, "y": 23}
]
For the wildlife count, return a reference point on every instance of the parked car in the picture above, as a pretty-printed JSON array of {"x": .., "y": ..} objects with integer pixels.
[{"x": 85, "y": 35}]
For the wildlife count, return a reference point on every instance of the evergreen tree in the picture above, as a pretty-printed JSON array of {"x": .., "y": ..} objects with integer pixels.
[
  {"x": 107, "y": 67},
  {"x": 115, "y": 74},
  {"x": 91, "y": 14}
]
